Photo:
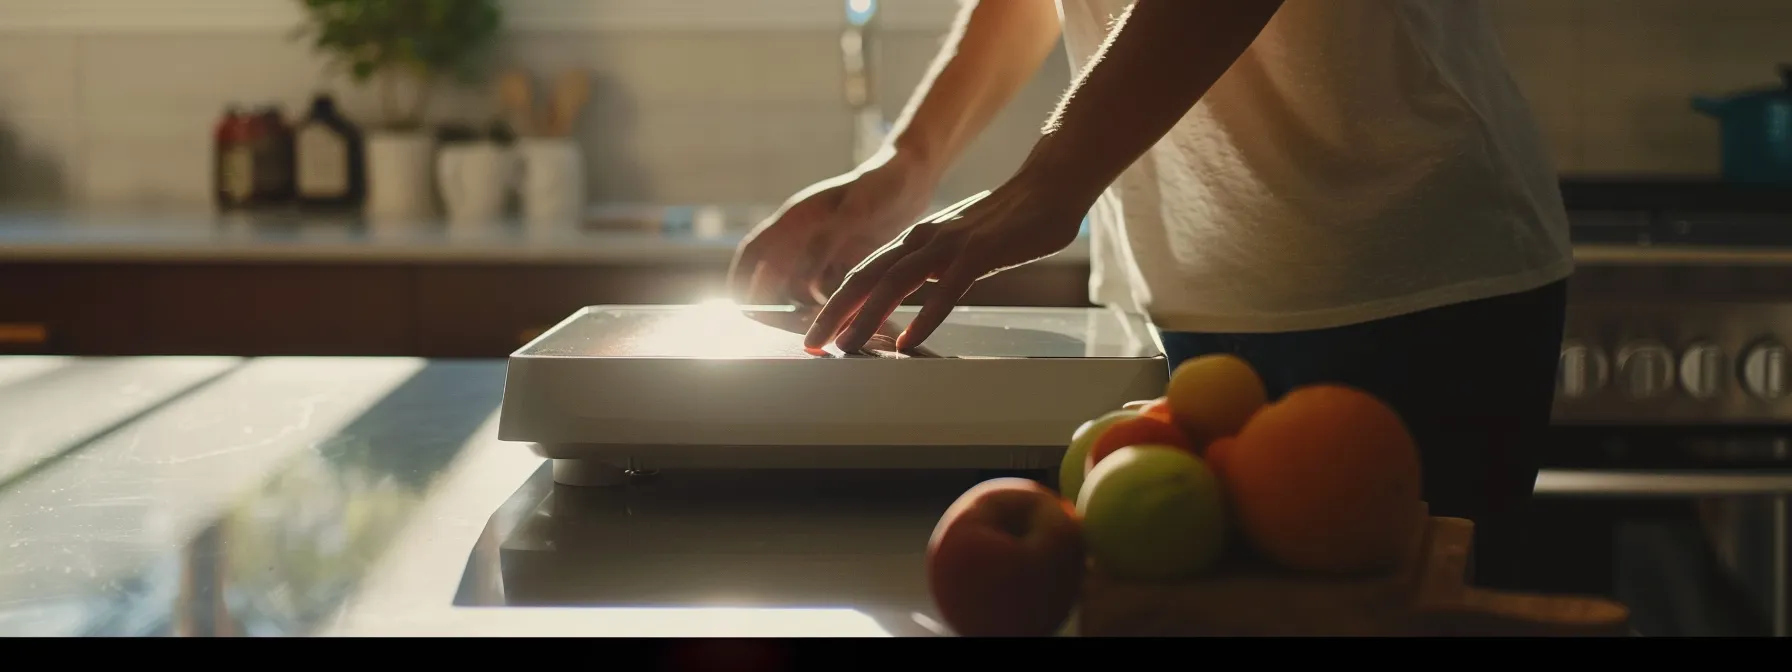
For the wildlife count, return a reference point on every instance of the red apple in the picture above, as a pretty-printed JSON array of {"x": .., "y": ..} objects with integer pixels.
[{"x": 1006, "y": 560}]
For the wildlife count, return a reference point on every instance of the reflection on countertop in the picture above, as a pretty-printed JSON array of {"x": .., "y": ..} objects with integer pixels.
[
  {"x": 778, "y": 540},
  {"x": 252, "y": 502},
  {"x": 316, "y": 496}
]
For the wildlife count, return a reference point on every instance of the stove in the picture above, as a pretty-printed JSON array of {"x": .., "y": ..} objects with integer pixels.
[
  {"x": 1668, "y": 471},
  {"x": 1678, "y": 318}
]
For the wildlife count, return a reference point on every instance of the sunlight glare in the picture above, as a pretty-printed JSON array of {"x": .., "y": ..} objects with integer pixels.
[{"x": 719, "y": 329}]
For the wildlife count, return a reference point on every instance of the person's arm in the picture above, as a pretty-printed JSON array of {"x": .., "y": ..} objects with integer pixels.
[
  {"x": 1160, "y": 57},
  {"x": 993, "y": 50}
]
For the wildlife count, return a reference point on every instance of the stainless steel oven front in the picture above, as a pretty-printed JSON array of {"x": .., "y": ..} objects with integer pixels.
[{"x": 1669, "y": 468}]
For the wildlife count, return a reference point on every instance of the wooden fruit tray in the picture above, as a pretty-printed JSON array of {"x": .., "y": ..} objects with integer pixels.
[{"x": 1427, "y": 597}]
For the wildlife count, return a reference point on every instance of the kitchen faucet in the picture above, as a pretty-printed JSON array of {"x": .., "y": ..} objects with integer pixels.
[{"x": 858, "y": 46}]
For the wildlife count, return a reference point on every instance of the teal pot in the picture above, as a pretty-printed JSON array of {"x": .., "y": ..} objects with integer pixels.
[{"x": 1756, "y": 131}]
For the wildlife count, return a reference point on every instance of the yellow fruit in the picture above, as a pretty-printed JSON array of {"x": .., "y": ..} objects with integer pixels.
[{"x": 1213, "y": 396}]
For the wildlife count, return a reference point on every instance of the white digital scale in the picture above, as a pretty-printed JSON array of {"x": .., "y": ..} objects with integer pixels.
[{"x": 615, "y": 389}]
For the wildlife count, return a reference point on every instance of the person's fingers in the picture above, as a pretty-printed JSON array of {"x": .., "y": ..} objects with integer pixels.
[
  {"x": 897, "y": 284},
  {"x": 740, "y": 273},
  {"x": 833, "y": 267},
  {"x": 947, "y": 291},
  {"x": 765, "y": 285},
  {"x": 846, "y": 301}
]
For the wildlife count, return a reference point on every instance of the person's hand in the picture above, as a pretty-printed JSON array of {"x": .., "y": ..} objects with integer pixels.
[
  {"x": 1008, "y": 227},
  {"x": 804, "y": 250}
]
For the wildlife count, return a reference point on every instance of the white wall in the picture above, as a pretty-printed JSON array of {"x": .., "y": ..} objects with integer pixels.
[{"x": 110, "y": 102}]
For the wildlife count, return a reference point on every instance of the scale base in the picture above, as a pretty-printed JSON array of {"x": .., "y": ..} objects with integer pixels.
[{"x": 603, "y": 466}]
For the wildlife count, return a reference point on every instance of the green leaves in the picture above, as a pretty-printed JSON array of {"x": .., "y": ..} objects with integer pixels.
[
  {"x": 419, "y": 38},
  {"x": 447, "y": 36}
]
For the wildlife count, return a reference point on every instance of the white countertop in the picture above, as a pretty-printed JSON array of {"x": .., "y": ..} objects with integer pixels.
[
  {"x": 204, "y": 496},
  {"x": 203, "y": 237},
  {"x": 240, "y": 238},
  {"x": 222, "y": 496}
]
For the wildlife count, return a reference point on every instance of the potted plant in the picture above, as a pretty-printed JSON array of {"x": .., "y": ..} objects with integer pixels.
[{"x": 403, "y": 46}]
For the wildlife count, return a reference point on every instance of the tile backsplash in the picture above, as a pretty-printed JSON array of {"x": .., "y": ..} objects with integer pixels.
[{"x": 122, "y": 118}]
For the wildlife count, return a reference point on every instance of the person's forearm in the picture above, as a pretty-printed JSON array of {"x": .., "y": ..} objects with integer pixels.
[
  {"x": 1160, "y": 58},
  {"x": 993, "y": 50}
]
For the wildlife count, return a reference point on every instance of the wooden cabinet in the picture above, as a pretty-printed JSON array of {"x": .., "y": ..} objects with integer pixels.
[
  {"x": 428, "y": 310},
  {"x": 256, "y": 310},
  {"x": 74, "y": 309},
  {"x": 490, "y": 311}
]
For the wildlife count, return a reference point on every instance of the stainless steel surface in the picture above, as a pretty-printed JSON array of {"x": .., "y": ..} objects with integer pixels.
[
  {"x": 1645, "y": 369},
  {"x": 1663, "y": 483},
  {"x": 1781, "y": 584},
  {"x": 1780, "y": 581},
  {"x": 1725, "y": 355},
  {"x": 1676, "y": 255},
  {"x": 1693, "y": 312},
  {"x": 306, "y": 496},
  {"x": 1764, "y": 371},
  {"x": 1703, "y": 372},
  {"x": 1582, "y": 370},
  {"x": 1734, "y": 488}
]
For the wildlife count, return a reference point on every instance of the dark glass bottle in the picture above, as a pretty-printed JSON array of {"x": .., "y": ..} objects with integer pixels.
[
  {"x": 233, "y": 161},
  {"x": 329, "y": 170},
  {"x": 273, "y": 158}
]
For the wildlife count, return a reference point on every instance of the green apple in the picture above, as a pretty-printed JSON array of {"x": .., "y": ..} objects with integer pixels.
[
  {"x": 1070, "y": 471},
  {"x": 1152, "y": 513}
]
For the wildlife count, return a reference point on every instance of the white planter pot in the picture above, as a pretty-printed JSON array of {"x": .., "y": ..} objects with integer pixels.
[
  {"x": 553, "y": 184},
  {"x": 400, "y": 177},
  {"x": 475, "y": 179}
]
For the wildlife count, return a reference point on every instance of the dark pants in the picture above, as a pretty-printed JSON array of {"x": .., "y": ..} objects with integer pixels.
[{"x": 1474, "y": 383}]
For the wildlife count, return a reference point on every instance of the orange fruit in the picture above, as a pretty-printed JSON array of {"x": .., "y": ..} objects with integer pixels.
[
  {"x": 1141, "y": 430},
  {"x": 1158, "y": 408},
  {"x": 1325, "y": 480},
  {"x": 1213, "y": 396},
  {"x": 1219, "y": 453}
]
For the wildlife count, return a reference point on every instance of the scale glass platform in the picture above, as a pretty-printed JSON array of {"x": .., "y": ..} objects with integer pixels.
[{"x": 615, "y": 388}]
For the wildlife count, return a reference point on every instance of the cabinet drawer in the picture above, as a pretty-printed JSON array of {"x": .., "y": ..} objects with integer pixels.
[
  {"x": 490, "y": 311},
  {"x": 253, "y": 310},
  {"x": 73, "y": 309}
]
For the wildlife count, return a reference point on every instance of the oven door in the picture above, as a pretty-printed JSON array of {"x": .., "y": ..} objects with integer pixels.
[{"x": 1692, "y": 551}]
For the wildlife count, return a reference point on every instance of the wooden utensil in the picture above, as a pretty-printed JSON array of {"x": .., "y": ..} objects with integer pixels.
[
  {"x": 516, "y": 95},
  {"x": 571, "y": 92},
  {"x": 1428, "y": 597}
]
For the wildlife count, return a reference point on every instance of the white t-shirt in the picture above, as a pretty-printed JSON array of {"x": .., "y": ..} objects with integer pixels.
[{"x": 1362, "y": 159}]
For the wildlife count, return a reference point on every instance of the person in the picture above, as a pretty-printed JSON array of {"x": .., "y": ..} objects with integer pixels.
[{"x": 1338, "y": 192}]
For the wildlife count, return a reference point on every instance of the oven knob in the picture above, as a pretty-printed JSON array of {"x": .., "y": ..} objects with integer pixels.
[
  {"x": 1702, "y": 372},
  {"x": 1645, "y": 369},
  {"x": 1581, "y": 370},
  {"x": 1764, "y": 371}
]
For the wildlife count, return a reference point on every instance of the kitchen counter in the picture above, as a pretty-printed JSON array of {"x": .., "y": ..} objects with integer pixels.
[
  {"x": 286, "y": 496},
  {"x": 333, "y": 286},
  {"x": 284, "y": 239},
  {"x": 221, "y": 496},
  {"x": 207, "y": 238},
  {"x": 324, "y": 286}
]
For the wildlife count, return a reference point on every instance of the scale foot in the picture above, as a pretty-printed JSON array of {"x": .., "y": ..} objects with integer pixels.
[{"x": 589, "y": 474}]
